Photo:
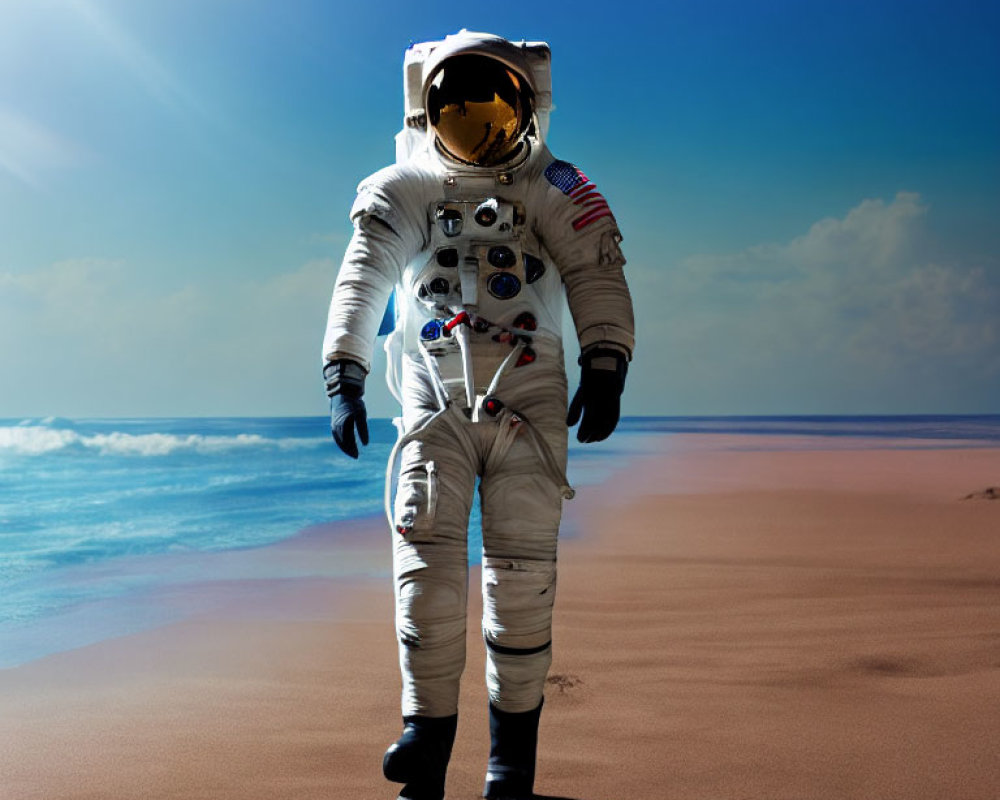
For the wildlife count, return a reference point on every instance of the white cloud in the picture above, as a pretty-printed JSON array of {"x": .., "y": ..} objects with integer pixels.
[
  {"x": 848, "y": 316},
  {"x": 92, "y": 338},
  {"x": 873, "y": 236}
]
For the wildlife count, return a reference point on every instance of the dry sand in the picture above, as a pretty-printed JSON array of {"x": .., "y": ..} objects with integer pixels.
[{"x": 815, "y": 623}]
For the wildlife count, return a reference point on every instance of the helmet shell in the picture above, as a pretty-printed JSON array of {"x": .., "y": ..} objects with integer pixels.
[{"x": 531, "y": 61}]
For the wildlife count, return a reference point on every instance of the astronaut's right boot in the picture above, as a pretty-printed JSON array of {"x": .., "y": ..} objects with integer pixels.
[
  {"x": 419, "y": 758},
  {"x": 513, "y": 743}
]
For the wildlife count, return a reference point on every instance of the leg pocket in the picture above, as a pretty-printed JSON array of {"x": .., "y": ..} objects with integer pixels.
[{"x": 416, "y": 498}]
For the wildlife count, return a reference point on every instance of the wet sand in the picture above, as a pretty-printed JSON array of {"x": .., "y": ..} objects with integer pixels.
[{"x": 820, "y": 622}]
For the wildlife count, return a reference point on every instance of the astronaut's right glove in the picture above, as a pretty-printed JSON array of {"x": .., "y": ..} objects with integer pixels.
[
  {"x": 345, "y": 383},
  {"x": 602, "y": 380}
]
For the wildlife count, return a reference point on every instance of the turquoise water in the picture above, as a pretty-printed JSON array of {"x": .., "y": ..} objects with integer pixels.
[{"x": 94, "y": 514}]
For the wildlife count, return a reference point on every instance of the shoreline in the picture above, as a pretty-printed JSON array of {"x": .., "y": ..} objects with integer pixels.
[
  {"x": 169, "y": 588},
  {"x": 150, "y": 578},
  {"x": 740, "y": 623}
]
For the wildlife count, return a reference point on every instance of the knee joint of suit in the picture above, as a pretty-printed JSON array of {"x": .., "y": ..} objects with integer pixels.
[
  {"x": 518, "y": 595},
  {"x": 430, "y": 611}
]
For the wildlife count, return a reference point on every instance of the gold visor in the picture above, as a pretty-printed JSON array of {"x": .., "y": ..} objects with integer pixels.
[{"x": 479, "y": 110}]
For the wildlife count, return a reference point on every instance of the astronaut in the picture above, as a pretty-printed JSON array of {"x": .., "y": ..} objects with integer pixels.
[{"x": 478, "y": 232}]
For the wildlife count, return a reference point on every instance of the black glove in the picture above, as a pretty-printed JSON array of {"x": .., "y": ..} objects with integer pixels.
[
  {"x": 345, "y": 383},
  {"x": 602, "y": 380}
]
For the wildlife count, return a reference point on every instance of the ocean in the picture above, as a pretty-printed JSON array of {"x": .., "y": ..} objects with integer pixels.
[{"x": 97, "y": 517}]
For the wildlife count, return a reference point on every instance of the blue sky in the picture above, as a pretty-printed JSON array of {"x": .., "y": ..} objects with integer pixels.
[{"x": 808, "y": 193}]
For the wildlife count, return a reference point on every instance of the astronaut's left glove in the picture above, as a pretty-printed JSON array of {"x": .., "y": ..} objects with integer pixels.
[
  {"x": 345, "y": 383},
  {"x": 602, "y": 380}
]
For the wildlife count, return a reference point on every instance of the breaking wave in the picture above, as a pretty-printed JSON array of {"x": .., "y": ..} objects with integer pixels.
[{"x": 41, "y": 439}]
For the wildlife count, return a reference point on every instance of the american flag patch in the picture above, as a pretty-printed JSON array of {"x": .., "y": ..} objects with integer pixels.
[{"x": 581, "y": 190}]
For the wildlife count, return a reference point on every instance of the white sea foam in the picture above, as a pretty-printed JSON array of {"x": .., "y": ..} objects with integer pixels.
[
  {"x": 48, "y": 422},
  {"x": 40, "y": 440}
]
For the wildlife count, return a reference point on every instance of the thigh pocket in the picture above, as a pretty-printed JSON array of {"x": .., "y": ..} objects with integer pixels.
[{"x": 416, "y": 498}]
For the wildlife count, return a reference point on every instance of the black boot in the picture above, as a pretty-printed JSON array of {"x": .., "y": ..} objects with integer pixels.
[
  {"x": 419, "y": 758},
  {"x": 513, "y": 742}
]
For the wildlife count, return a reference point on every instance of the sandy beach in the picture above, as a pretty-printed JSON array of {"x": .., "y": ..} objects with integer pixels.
[{"x": 733, "y": 623}]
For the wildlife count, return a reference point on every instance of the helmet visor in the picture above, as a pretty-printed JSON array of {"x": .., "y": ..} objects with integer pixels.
[{"x": 479, "y": 109}]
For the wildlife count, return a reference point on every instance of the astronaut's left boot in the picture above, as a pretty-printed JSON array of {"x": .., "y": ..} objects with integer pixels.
[{"x": 513, "y": 743}]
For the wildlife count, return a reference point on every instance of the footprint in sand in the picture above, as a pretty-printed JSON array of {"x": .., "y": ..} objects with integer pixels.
[
  {"x": 961, "y": 661},
  {"x": 564, "y": 682},
  {"x": 989, "y": 493},
  {"x": 886, "y": 665}
]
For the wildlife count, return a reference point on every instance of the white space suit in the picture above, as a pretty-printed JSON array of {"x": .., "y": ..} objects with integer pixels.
[{"x": 480, "y": 255}]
